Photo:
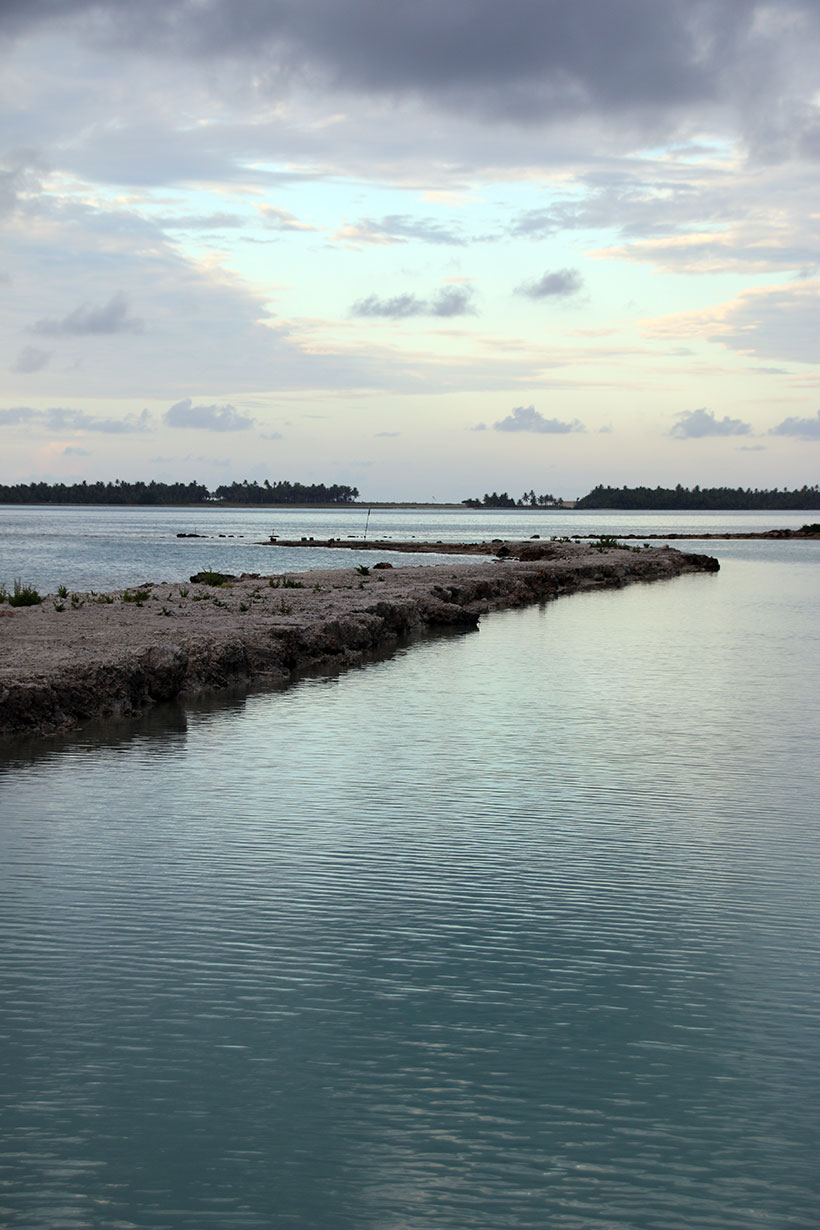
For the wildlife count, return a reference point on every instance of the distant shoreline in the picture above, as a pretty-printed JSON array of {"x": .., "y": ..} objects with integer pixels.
[{"x": 361, "y": 506}]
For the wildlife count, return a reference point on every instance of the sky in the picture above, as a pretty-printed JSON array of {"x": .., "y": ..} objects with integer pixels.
[{"x": 427, "y": 250}]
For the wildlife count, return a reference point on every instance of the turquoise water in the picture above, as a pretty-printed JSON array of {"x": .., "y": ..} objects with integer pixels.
[{"x": 517, "y": 928}]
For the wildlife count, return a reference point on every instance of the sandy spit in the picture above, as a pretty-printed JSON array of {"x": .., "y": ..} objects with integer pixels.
[{"x": 101, "y": 656}]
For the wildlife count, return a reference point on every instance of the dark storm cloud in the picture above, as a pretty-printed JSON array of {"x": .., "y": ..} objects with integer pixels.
[
  {"x": 695, "y": 424},
  {"x": 527, "y": 418},
  {"x": 526, "y": 58},
  {"x": 206, "y": 418},
  {"x": 560, "y": 284},
  {"x": 112, "y": 317},
  {"x": 451, "y": 301},
  {"x": 801, "y": 429}
]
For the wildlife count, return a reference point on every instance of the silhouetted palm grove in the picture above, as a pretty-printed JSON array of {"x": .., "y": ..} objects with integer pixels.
[
  {"x": 700, "y": 498},
  {"x": 121, "y": 492}
]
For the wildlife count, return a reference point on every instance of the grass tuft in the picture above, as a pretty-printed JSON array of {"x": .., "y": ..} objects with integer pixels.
[{"x": 23, "y": 595}]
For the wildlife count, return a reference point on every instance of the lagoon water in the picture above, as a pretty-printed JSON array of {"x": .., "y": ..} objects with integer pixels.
[{"x": 517, "y": 928}]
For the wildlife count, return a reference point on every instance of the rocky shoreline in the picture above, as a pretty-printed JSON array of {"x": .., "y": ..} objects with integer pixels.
[{"x": 81, "y": 657}]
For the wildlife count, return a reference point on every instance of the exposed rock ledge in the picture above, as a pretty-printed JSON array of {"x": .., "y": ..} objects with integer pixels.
[{"x": 101, "y": 656}]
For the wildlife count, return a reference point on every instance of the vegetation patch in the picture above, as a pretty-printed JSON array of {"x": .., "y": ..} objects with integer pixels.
[
  {"x": 22, "y": 595},
  {"x": 137, "y": 596},
  {"x": 209, "y": 576}
]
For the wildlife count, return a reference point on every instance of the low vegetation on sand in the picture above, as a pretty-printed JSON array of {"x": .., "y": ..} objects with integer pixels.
[{"x": 21, "y": 595}]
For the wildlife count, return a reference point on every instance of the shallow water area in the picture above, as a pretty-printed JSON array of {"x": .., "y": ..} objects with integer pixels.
[
  {"x": 105, "y": 548},
  {"x": 514, "y": 928}
]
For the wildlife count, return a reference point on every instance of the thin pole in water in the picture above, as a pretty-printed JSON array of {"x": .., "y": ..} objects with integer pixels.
[{"x": 367, "y": 521}]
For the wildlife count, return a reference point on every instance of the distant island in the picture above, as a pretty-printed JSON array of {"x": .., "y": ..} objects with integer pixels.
[
  {"x": 121, "y": 492},
  {"x": 280, "y": 493},
  {"x": 700, "y": 498},
  {"x": 528, "y": 500}
]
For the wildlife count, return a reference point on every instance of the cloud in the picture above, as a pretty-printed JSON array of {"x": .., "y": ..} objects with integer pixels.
[
  {"x": 560, "y": 284},
  {"x": 527, "y": 418},
  {"x": 71, "y": 451},
  {"x": 397, "y": 228},
  {"x": 20, "y": 174},
  {"x": 17, "y": 415},
  {"x": 771, "y": 322},
  {"x": 281, "y": 220},
  {"x": 198, "y": 222},
  {"x": 31, "y": 359},
  {"x": 112, "y": 317},
  {"x": 453, "y": 301},
  {"x": 206, "y": 418},
  {"x": 527, "y": 60},
  {"x": 58, "y": 419},
  {"x": 397, "y": 308},
  {"x": 695, "y": 424},
  {"x": 449, "y": 301},
  {"x": 78, "y": 420},
  {"x": 802, "y": 429},
  {"x": 386, "y": 435}
]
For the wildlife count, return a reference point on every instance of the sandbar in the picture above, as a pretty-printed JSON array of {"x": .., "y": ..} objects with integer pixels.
[{"x": 76, "y": 659}]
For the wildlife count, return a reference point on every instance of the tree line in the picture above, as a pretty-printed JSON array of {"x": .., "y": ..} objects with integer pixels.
[
  {"x": 528, "y": 500},
  {"x": 121, "y": 492},
  {"x": 722, "y": 498}
]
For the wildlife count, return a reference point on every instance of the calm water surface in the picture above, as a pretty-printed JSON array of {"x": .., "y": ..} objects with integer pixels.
[
  {"x": 110, "y": 548},
  {"x": 517, "y": 928}
]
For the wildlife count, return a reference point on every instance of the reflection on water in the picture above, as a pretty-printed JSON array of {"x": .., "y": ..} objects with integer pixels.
[{"x": 514, "y": 929}]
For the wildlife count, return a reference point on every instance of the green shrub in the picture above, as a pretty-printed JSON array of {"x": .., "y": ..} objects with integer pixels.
[
  {"x": 137, "y": 596},
  {"x": 209, "y": 577},
  {"x": 24, "y": 595}
]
